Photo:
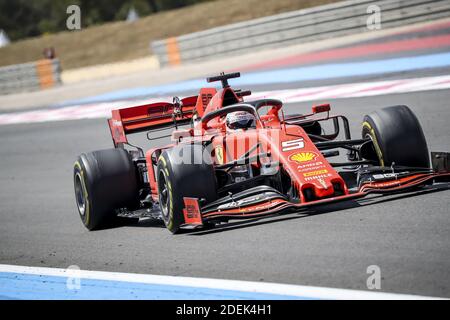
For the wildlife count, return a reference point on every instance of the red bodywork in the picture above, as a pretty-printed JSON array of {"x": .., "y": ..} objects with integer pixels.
[{"x": 287, "y": 145}]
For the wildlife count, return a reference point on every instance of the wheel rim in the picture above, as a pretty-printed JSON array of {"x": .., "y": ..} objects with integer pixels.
[
  {"x": 80, "y": 194},
  {"x": 163, "y": 194}
]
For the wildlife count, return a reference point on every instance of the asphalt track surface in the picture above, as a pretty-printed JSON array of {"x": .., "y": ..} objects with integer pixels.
[{"x": 407, "y": 236}]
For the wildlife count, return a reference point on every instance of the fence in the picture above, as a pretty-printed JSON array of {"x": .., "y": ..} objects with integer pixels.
[
  {"x": 302, "y": 26},
  {"x": 30, "y": 76}
]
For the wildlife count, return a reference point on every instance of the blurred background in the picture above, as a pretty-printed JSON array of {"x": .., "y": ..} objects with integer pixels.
[{"x": 115, "y": 30}]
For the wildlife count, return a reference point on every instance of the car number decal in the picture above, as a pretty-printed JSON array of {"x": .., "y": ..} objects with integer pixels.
[{"x": 292, "y": 145}]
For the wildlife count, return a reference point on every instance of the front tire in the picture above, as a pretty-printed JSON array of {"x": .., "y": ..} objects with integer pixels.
[
  {"x": 176, "y": 180},
  {"x": 104, "y": 180},
  {"x": 397, "y": 137}
]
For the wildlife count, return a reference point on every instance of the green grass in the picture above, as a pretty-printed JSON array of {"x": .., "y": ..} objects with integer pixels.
[{"x": 120, "y": 41}]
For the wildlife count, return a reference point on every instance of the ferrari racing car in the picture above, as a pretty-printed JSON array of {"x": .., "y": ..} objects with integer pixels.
[{"x": 231, "y": 158}]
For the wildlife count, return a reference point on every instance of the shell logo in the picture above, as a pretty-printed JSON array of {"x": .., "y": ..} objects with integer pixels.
[{"x": 302, "y": 157}]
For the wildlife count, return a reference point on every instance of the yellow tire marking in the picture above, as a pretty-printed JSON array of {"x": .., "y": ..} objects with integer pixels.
[
  {"x": 161, "y": 158},
  {"x": 169, "y": 189},
  {"x": 83, "y": 186},
  {"x": 375, "y": 142}
]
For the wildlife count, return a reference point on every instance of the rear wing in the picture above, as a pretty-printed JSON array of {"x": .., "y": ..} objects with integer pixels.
[{"x": 149, "y": 116}]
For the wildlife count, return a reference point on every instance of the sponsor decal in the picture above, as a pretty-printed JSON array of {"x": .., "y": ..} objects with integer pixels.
[
  {"x": 323, "y": 176},
  {"x": 315, "y": 173},
  {"x": 309, "y": 166},
  {"x": 385, "y": 176},
  {"x": 206, "y": 98},
  {"x": 219, "y": 154},
  {"x": 191, "y": 211},
  {"x": 385, "y": 184},
  {"x": 292, "y": 145},
  {"x": 302, "y": 157},
  {"x": 239, "y": 203}
]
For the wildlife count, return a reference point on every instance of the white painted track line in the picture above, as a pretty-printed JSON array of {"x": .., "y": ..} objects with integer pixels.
[{"x": 302, "y": 292}]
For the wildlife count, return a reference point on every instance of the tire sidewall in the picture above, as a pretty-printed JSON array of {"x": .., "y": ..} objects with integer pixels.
[
  {"x": 196, "y": 180},
  {"x": 170, "y": 215},
  {"x": 90, "y": 221},
  {"x": 397, "y": 137},
  {"x": 102, "y": 191}
]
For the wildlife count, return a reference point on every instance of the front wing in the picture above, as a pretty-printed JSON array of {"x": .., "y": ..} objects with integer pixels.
[{"x": 269, "y": 202}]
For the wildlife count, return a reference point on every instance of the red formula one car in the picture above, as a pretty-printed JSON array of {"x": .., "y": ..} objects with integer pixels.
[{"x": 245, "y": 159}]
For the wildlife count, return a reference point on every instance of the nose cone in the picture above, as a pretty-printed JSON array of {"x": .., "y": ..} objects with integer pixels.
[
  {"x": 323, "y": 187},
  {"x": 322, "y": 192}
]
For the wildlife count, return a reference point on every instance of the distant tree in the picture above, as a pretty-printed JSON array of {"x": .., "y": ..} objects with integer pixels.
[
  {"x": 25, "y": 18},
  {"x": 153, "y": 6}
]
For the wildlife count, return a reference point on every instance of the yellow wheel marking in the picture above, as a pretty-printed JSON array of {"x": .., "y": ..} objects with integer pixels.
[
  {"x": 375, "y": 142},
  {"x": 169, "y": 189},
  {"x": 161, "y": 158},
  {"x": 83, "y": 187}
]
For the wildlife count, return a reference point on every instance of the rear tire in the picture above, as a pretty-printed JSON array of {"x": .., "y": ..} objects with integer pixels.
[
  {"x": 104, "y": 180},
  {"x": 397, "y": 137},
  {"x": 177, "y": 180}
]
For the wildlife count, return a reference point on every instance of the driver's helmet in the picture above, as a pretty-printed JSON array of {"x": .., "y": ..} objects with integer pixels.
[{"x": 240, "y": 120}]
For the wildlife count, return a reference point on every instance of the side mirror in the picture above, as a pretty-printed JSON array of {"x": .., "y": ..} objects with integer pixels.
[{"x": 321, "y": 108}]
